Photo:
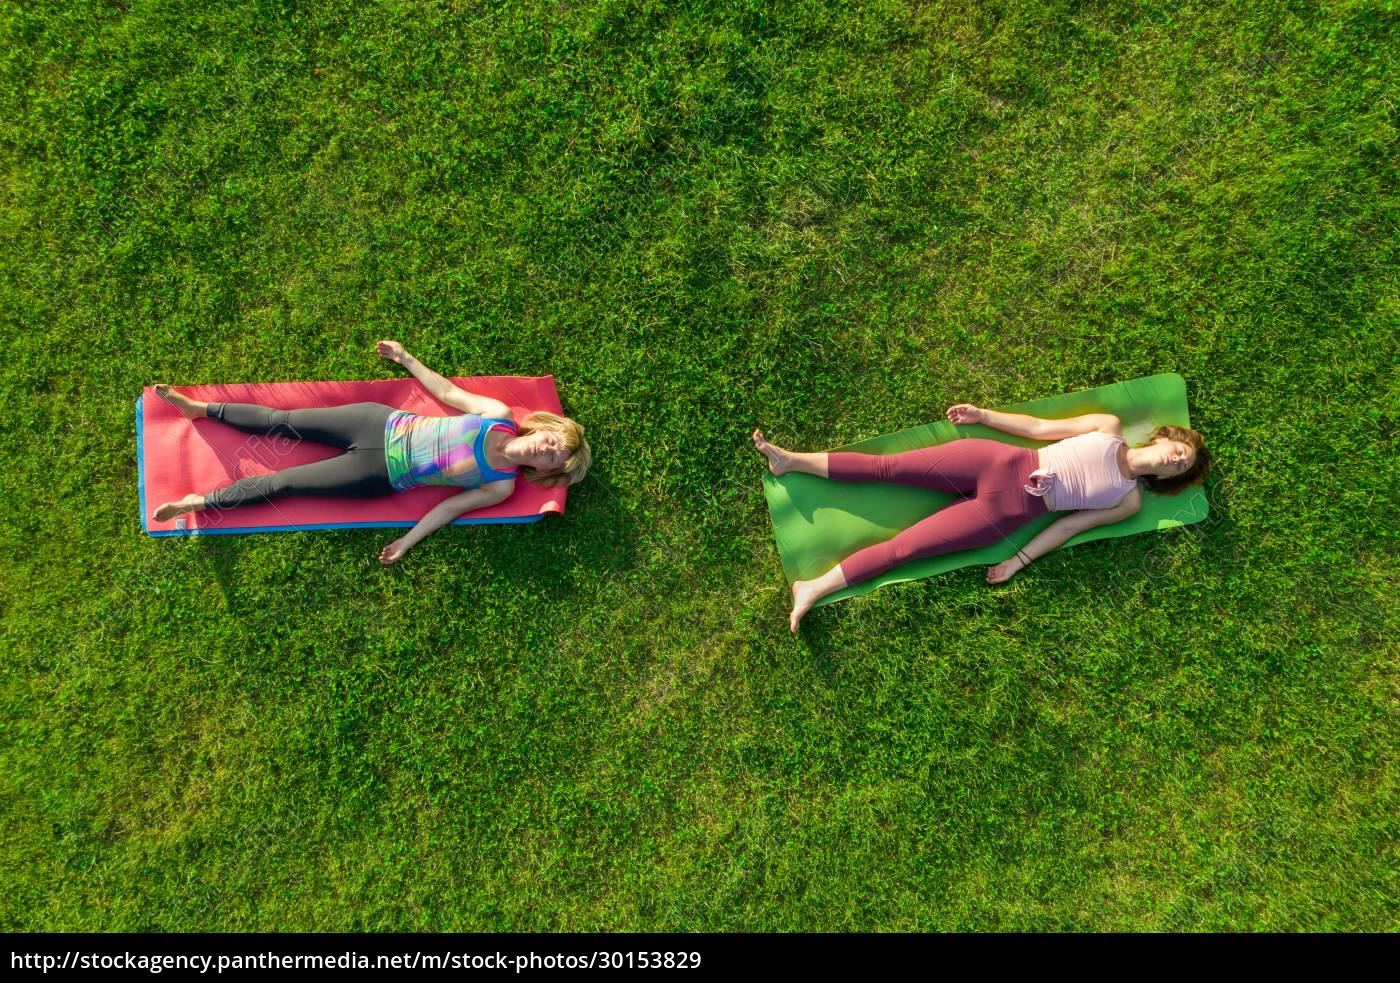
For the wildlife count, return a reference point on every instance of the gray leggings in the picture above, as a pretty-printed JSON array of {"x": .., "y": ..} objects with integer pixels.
[{"x": 356, "y": 428}]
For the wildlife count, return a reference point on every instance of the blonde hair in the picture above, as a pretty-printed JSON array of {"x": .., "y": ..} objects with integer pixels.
[{"x": 571, "y": 433}]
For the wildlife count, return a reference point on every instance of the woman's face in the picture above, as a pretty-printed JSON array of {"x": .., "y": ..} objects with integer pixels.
[
  {"x": 1172, "y": 457},
  {"x": 545, "y": 451}
]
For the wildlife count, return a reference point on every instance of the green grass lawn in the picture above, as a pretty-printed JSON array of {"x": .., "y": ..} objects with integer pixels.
[{"x": 830, "y": 222}]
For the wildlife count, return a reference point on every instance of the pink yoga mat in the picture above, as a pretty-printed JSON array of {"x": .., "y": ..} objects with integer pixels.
[{"x": 177, "y": 456}]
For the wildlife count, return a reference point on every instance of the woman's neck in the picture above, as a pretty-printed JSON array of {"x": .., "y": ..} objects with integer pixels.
[
  {"x": 499, "y": 453},
  {"x": 1128, "y": 464}
]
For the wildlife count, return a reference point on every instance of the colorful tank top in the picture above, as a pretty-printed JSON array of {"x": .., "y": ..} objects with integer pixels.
[
  {"x": 440, "y": 450},
  {"x": 1081, "y": 472}
]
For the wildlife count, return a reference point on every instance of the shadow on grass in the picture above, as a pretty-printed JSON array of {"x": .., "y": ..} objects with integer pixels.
[{"x": 557, "y": 556}]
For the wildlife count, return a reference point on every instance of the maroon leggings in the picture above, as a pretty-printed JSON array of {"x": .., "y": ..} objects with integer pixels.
[{"x": 992, "y": 473}]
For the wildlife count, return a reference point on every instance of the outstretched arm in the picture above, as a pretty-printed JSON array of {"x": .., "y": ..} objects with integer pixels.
[
  {"x": 443, "y": 513},
  {"x": 1061, "y": 531},
  {"x": 1034, "y": 427},
  {"x": 442, "y": 388}
]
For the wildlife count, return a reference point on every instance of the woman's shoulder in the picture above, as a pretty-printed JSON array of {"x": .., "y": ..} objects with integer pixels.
[
  {"x": 488, "y": 420},
  {"x": 1106, "y": 439},
  {"x": 494, "y": 409},
  {"x": 1089, "y": 438}
]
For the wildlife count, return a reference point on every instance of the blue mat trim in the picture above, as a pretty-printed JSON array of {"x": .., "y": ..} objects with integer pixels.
[
  {"x": 141, "y": 466},
  {"x": 141, "y": 495}
]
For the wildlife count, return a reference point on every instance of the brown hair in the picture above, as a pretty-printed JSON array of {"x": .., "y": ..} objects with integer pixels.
[
  {"x": 580, "y": 456},
  {"x": 1176, "y": 484}
]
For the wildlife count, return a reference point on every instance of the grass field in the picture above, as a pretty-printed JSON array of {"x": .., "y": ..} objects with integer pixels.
[{"x": 831, "y": 222}]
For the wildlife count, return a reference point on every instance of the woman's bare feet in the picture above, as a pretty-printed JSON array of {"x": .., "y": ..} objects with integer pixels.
[
  {"x": 804, "y": 595},
  {"x": 779, "y": 460},
  {"x": 190, "y": 503},
  {"x": 191, "y": 408}
]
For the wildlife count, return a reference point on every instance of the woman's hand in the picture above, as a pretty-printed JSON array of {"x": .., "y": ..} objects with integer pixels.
[
  {"x": 393, "y": 551},
  {"x": 966, "y": 413},
  {"x": 1005, "y": 570},
  {"x": 391, "y": 350}
]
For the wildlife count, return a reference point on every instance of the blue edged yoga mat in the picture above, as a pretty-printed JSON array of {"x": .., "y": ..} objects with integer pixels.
[{"x": 176, "y": 456}]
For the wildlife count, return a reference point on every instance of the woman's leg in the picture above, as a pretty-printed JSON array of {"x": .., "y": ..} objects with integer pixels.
[
  {"x": 963, "y": 525},
  {"x": 782, "y": 461},
  {"x": 955, "y": 466},
  {"x": 192, "y": 408},
  {"x": 354, "y": 474},
  {"x": 351, "y": 425},
  {"x": 1000, "y": 506}
]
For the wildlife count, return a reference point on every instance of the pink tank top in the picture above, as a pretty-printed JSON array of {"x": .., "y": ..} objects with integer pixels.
[{"x": 1081, "y": 472}]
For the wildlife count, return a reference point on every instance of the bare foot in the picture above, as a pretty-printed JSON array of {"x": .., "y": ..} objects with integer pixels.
[
  {"x": 171, "y": 509},
  {"x": 778, "y": 460},
  {"x": 804, "y": 595},
  {"x": 189, "y": 407}
]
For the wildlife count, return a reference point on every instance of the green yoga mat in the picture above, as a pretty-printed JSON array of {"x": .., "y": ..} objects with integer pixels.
[{"x": 819, "y": 522}]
